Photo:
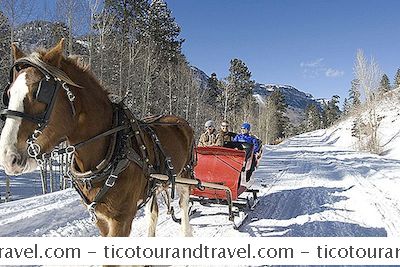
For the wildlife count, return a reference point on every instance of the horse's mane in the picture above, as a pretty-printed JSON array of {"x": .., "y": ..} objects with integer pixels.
[{"x": 74, "y": 64}]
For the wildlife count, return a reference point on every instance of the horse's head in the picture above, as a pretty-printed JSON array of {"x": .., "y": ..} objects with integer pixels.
[{"x": 31, "y": 107}]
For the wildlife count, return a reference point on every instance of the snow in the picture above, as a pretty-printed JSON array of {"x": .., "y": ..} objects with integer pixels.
[
  {"x": 83, "y": 43},
  {"x": 259, "y": 99},
  {"x": 314, "y": 184}
]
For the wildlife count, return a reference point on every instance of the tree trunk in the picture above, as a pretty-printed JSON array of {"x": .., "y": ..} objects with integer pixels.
[
  {"x": 51, "y": 175},
  {"x": 43, "y": 175},
  {"x": 226, "y": 103},
  {"x": 170, "y": 87},
  {"x": 8, "y": 189}
]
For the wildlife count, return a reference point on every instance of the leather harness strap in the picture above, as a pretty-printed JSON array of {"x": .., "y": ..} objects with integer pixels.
[
  {"x": 15, "y": 113},
  {"x": 124, "y": 152},
  {"x": 55, "y": 72}
]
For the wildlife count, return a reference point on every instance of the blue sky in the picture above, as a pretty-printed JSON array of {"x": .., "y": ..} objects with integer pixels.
[{"x": 309, "y": 44}]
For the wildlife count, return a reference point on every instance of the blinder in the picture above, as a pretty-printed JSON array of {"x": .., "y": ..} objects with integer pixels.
[
  {"x": 45, "y": 93},
  {"x": 6, "y": 93},
  {"x": 6, "y": 97}
]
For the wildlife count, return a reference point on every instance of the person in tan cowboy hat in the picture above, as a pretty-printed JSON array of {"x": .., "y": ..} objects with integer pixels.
[{"x": 209, "y": 137}]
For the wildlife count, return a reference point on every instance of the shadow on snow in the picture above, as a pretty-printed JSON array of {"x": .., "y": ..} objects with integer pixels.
[{"x": 304, "y": 201}]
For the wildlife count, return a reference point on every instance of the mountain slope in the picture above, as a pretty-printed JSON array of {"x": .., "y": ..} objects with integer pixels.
[
  {"x": 34, "y": 34},
  {"x": 296, "y": 100}
]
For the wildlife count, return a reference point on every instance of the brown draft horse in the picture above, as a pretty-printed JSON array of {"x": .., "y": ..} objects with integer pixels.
[{"x": 94, "y": 115}]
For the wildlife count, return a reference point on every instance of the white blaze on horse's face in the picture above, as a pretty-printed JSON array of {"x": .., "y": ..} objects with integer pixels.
[{"x": 13, "y": 162}]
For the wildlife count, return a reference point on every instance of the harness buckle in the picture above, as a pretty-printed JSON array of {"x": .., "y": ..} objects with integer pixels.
[
  {"x": 36, "y": 134},
  {"x": 110, "y": 182},
  {"x": 70, "y": 150},
  {"x": 88, "y": 184},
  {"x": 169, "y": 163}
]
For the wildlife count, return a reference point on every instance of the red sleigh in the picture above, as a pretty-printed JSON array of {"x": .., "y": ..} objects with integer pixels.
[{"x": 226, "y": 173}]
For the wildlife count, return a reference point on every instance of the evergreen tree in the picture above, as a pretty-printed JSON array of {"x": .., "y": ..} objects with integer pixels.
[
  {"x": 313, "y": 118},
  {"x": 164, "y": 31},
  {"x": 282, "y": 122},
  {"x": 384, "y": 85},
  {"x": 214, "y": 90},
  {"x": 355, "y": 129},
  {"x": 354, "y": 94},
  {"x": 131, "y": 19},
  {"x": 397, "y": 79},
  {"x": 324, "y": 117},
  {"x": 332, "y": 111},
  {"x": 346, "y": 107},
  {"x": 239, "y": 86}
]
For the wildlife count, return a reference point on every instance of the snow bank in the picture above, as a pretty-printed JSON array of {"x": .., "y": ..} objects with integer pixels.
[{"x": 388, "y": 109}]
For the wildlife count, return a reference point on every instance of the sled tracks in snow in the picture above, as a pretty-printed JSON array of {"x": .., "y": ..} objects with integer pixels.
[{"x": 383, "y": 204}]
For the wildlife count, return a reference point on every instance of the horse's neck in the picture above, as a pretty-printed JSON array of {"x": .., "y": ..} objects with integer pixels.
[{"x": 95, "y": 115}]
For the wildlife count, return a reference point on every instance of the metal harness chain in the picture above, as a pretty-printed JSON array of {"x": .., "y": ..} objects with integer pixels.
[
  {"x": 70, "y": 95},
  {"x": 34, "y": 148}
]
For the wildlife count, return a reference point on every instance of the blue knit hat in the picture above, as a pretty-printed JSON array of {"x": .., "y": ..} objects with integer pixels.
[{"x": 246, "y": 126}]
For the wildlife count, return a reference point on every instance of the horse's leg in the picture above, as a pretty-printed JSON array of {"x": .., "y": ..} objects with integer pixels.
[
  {"x": 152, "y": 215},
  {"x": 120, "y": 226},
  {"x": 103, "y": 227},
  {"x": 184, "y": 193}
]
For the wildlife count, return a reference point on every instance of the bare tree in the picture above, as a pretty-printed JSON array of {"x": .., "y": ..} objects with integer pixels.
[
  {"x": 72, "y": 13},
  {"x": 267, "y": 122},
  {"x": 16, "y": 11},
  {"x": 103, "y": 29},
  {"x": 92, "y": 10},
  {"x": 368, "y": 75}
]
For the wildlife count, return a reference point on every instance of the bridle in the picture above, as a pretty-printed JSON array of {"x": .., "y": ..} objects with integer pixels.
[
  {"x": 54, "y": 79},
  {"x": 46, "y": 93}
]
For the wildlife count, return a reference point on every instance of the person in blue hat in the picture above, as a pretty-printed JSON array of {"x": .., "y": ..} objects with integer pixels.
[{"x": 245, "y": 136}]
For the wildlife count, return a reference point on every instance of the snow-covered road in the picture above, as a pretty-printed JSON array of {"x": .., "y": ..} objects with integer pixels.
[{"x": 308, "y": 187}]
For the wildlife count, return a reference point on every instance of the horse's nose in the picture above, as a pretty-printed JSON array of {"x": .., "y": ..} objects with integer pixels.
[
  {"x": 15, "y": 159},
  {"x": 10, "y": 160}
]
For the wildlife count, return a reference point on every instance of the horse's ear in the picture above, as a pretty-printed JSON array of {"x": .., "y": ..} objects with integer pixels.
[
  {"x": 54, "y": 56},
  {"x": 16, "y": 52}
]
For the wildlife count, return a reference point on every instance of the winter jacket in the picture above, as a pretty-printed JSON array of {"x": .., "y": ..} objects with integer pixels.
[
  {"x": 207, "y": 139},
  {"x": 246, "y": 138},
  {"x": 223, "y": 137}
]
